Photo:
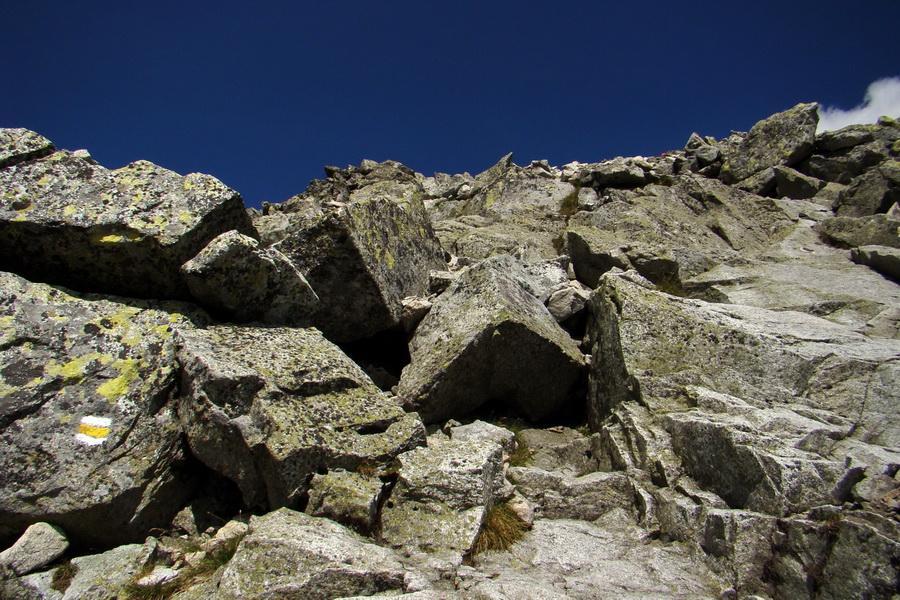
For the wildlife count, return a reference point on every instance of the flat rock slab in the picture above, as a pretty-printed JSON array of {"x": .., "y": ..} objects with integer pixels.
[
  {"x": 66, "y": 220},
  {"x": 486, "y": 338},
  {"x": 672, "y": 232},
  {"x": 561, "y": 496},
  {"x": 268, "y": 407},
  {"x": 442, "y": 495},
  {"x": 363, "y": 258},
  {"x": 566, "y": 559},
  {"x": 292, "y": 555},
  {"x": 87, "y": 437}
]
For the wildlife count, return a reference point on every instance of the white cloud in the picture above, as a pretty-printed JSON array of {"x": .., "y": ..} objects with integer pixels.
[{"x": 882, "y": 98}]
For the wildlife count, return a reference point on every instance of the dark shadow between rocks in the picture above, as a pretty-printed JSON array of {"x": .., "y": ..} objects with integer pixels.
[{"x": 381, "y": 356}]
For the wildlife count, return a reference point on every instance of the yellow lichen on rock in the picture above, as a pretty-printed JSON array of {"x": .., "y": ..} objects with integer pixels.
[{"x": 115, "y": 388}]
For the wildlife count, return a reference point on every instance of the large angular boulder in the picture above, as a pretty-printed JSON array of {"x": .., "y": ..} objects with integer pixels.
[
  {"x": 88, "y": 438},
  {"x": 442, "y": 495},
  {"x": 783, "y": 139},
  {"x": 561, "y": 496},
  {"x": 66, "y": 220},
  {"x": 237, "y": 280},
  {"x": 289, "y": 554},
  {"x": 488, "y": 339},
  {"x": 269, "y": 407},
  {"x": 364, "y": 257}
]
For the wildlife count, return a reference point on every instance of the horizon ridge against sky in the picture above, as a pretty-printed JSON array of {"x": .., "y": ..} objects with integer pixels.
[{"x": 264, "y": 97}]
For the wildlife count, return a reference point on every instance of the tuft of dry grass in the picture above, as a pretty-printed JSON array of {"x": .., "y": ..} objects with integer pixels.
[
  {"x": 501, "y": 529},
  {"x": 62, "y": 577},
  {"x": 522, "y": 455}
]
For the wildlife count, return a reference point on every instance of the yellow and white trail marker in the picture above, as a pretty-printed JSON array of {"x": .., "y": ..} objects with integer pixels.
[{"x": 93, "y": 431}]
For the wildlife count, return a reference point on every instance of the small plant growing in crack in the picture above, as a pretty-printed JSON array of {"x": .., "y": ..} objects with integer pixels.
[{"x": 501, "y": 529}]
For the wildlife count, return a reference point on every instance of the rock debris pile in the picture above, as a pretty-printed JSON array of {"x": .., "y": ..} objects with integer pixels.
[{"x": 648, "y": 377}]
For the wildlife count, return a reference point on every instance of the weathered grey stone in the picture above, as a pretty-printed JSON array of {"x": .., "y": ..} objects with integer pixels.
[
  {"x": 414, "y": 310},
  {"x": 793, "y": 184},
  {"x": 453, "y": 204},
  {"x": 292, "y": 555},
  {"x": 568, "y": 559},
  {"x": 883, "y": 259},
  {"x": 88, "y": 439},
  {"x": 517, "y": 193},
  {"x": 421, "y": 595},
  {"x": 443, "y": 185},
  {"x": 733, "y": 459},
  {"x": 268, "y": 407},
  {"x": 442, "y": 495},
  {"x": 66, "y": 220},
  {"x": 843, "y": 555},
  {"x": 844, "y": 164},
  {"x": 348, "y": 498},
  {"x": 481, "y": 431},
  {"x": 40, "y": 545},
  {"x": 617, "y": 173},
  {"x": 486, "y": 338},
  {"x": 802, "y": 273},
  {"x": 106, "y": 576},
  {"x": 558, "y": 449},
  {"x": 567, "y": 300},
  {"x": 766, "y": 358},
  {"x": 158, "y": 576},
  {"x": 364, "y": 257},
  {"x": 21, "y": 145},
  {"x": 761, "y": 183},
  {"x": 562, "y": 496},
  {"x": 783, "y": 139},
  {"x": 651, "y": 232},
  {"x": 847, "y": 137},
  {"x": 755, "y": 354},
  {"x": 876, "y": 230},
  {"x": 237, "y": 280}
]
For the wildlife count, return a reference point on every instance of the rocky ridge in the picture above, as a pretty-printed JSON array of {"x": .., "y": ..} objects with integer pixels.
[{"x": 661, "y": 377}]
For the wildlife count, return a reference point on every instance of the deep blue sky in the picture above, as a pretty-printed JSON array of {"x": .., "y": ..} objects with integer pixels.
[{"x": 264, "y": 94}]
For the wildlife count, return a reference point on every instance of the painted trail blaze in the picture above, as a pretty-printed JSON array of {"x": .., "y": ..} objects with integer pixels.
[{"x": 93, "y": 430}]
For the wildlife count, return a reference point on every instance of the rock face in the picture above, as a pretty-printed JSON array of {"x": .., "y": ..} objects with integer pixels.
[
  {"x": 648, "y": 377},
  {"x": 66, "y": 220},
  {"x": 89, "y": 441}
]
